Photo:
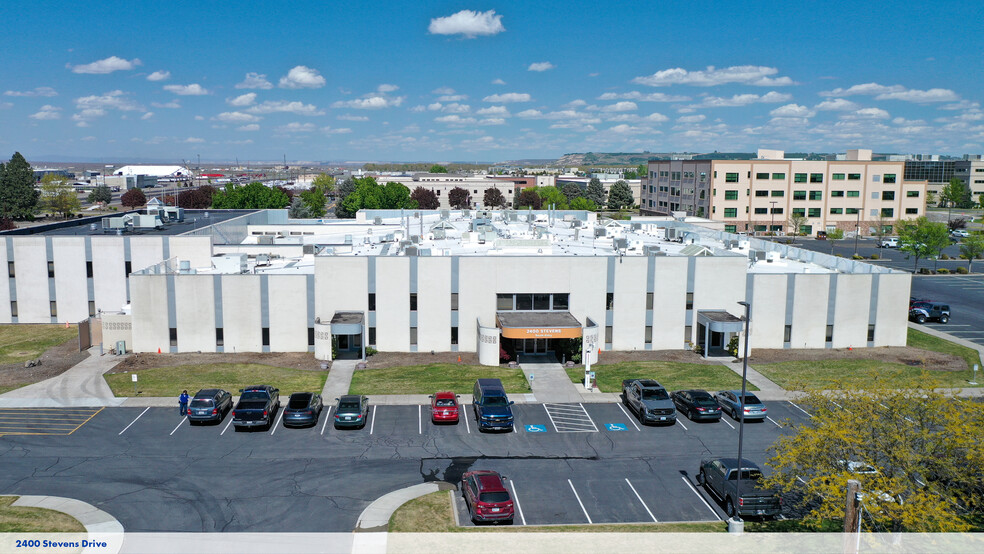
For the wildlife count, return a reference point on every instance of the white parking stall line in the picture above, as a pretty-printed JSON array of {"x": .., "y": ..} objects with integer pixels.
[
  {"x": 552, "y": 422},
  {"x": 226, "y": 428},
  {"x": 570, "y": 418},
  {"x": 134, "y": 420},
  {"x": 519, "y": 508},
  {"x": 680, "y": 423},
  {"x": 372, "y": 424},
  {"x": 726, "y": 422},
  {"x": 578, "y": 497},
  {"x": 183, "y": 419},
  {"x": 277, "y": 424},
  {"x": 773, "y": 421},
  {"x": 800, "y": 479},
  {"x": 641, "y": 501},
  {"x": 700, "y": 496},
  {"x": 631, "y": 419},
  {"x": 327, "y": 417},
  {"x": 463, "y": 414},
  {"x": 420, "y": 421},
  {"x": 793, "y": 404}
]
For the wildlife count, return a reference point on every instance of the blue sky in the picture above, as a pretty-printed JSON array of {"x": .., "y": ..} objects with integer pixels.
[{"x": 453, "y": 81}]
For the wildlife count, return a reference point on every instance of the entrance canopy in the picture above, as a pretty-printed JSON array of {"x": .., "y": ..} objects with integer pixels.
[
  {"x": 538, "y": 325},
  {"x": 346, "y": 323},
  {"x": 719, "y": 321}
]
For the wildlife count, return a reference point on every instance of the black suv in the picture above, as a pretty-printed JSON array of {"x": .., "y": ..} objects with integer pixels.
[
  {"x": 209, "y": 405},
  {"x": 921, "y": 312}
]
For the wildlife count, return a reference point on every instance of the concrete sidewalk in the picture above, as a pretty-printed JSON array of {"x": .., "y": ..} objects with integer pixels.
[
  {"x": 767, "y": 389},
  {"x": 550, "y": 383},
  {"x": 81, "y": 385},
  {"x": 339, "y": 379}
]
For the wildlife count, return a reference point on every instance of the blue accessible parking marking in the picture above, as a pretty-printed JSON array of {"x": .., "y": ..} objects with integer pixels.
[
  {"x": 536, "y": 428},
  {"x": 616, "y": 427}
]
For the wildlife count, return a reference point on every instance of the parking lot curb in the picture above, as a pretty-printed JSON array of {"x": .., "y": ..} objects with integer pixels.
[
  {"x": 96, "y": 521},
  {"x": 375, "y": 518}
]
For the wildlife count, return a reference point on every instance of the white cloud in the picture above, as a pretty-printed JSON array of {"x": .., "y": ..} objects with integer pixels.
[
  {"x": 199, "y": 118},
  {"x": 921, "y": 96},
  {"x": 529, "y": 114},
  {"x": 576, "y": 103},
  {"x": 454, "y": 107},
  {"x": 333, "y": 131},
  {"x": 242, "y": 100},
  {"x": 540, "y": 66},
  {"x": 508, "y": 97},
  {"x": 651, "y": 97},
  {"x": 88, "y": 138},
  {"x": 349, "y": 117},
  {"x": 6, "y": 105},
  {"x": 107, "y": 65},
  {"x": 792, "y": 110},
  {"x": 743, "y": 100},
  {"x": 620, "y": 107},
  {"x": 454, "y": 119},
  {"x": 656, "y": 118},
  {"x": 500, "y": 111},
  {"x": 691, "y": 118},
  {"x": 387, "y": 88},
  {"x": 467, "y": 23},
  {"x": 755, "y": 75},
  {"x": 961, "y": 105},
  {"x": 625, "y": 129},
  {"x": 498, "y": 82},
  {"x": 492, "y": 121},
  {"x": 296, "y": 127},
  {"x": 236, "y": 117},
  {"x": 866, "y": 88},
  {"x": 147, "y": 116},
  {"x": 193, "y": 89},
  {"x": 172, "y": 105},
  {"x": 868, "y": 113},
  {"x": 250, "y": 127},
  {"x": 39, "y": 91},
  {"x": 452, "y": 98},
  {"x": 837, "y": 104},
  {"x": 115, "y": 100},
  {"x": 370, "y": 102},
  {"x": 272, "y": 106},
  {"x": 46, "y": 113},
  {"x": 443, "y": 90},
  {"x": 159, "y": 76},
  {"x": 194, "y": 140},
  {"x": 302, "y": 77},
  {"x": 255, "y": 80}
]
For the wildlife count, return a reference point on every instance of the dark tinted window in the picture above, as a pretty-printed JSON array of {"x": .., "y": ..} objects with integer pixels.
[
  {"x": 444, "y": 402},
  {"x": 751, "y": 399},
  {"x": 494, "y": 496},
  {"x": 745, "y": 474},
  {"x": 524, "y": 301},
  {"x": 254, "y": 395},
  {"x": 298, "y": 403},
  {"x": 560, "y": 301},
  {"x": 495, "y": 401},
  {"x": 708, "y": 401},
  {"x": 201, "y": 403},
  {"x": 654, "y": 394},
  {"x": 349, "y": 407}
]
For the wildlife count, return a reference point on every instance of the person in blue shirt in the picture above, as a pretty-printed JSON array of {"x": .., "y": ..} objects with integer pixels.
[{"x": 183, "y": 402}]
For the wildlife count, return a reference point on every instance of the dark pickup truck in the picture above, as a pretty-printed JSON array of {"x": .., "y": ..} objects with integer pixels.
[
  {"x": 719, "y": 476},
  {"x": 257, "y": 407},
  {"x": 649, "y": 401}
]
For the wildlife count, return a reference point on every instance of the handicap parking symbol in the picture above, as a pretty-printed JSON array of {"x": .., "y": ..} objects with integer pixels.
[
  {"x": 536, "y": 428},
  {"x": 617, "y": 427}
]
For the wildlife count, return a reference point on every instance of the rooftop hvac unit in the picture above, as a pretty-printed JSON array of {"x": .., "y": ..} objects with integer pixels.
[
  {"x": 599, "y": 232},
  {"x": 412, "y": 251},
  {"x": 650, "y": 250},
  {"x": 513, "y": 216},
  {"x": 264, "y": 240},
  {"x": 348, "y": 239},
  {"x": 114, "y": 223},
  {"x": 484, "y": 214},
  {"x": 262, "y": 259},
  {"x": 141, "y": 221},
  {"x": 671, "y": 233},
  {"x": 415, "y": 239},
  {"x": 230, "y": 263},
  {"x": 466, "y": 213},
  {"x": 576, "y": 223},
  {"x": 569, "y": 218},
  {"x": 756, "y": 255},
  {"x": 308, "y": 249},
  {"x": 184, "y": 266},
  {"x": 637, "y": 226},
  {"x": 445, "y": 214},
  {"x": 621, "y": 244},
  {"x": 389, "y": 237},
  {"x": 377, "y": 221},
  {"x": 439, "y": 234}
]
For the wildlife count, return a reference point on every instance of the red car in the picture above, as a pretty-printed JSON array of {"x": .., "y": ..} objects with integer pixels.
[
  {"x": 444, "y": 407},
  {"x": 486, "y": 496}
]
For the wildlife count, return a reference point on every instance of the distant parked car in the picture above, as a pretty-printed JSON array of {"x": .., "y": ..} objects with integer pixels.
[
  {"x": 698, "y": 405},
  {"x": 921, "y": 312},
  {"x": 821, "y": 235},
  {"x": 352, "y": 411},
  {"x": 257, "y": 407},
  {"x": 721, "y": 476},
  {"x": 303, "y": 408},
  {"x": 444, "y": 407},
  {"x": 209, "y": 405},
  {"x": 486, "y": 497},
  {"x": 730, "y": 403},
  {"x": 959, "y": 233},
  {"x": 890, "y": 242}
]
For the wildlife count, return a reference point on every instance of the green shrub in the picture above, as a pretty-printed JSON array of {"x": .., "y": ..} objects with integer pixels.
[
  {"x": 875, "y": 256},
  {"x": 962, "y": 270},
  {"x": 835, "y": 234},
  {"x": 963, "y": 256},
  {"x": 944, "y": 257},
  {"x": 857, "y": 257},
  {"x": 943, "y": 271}
]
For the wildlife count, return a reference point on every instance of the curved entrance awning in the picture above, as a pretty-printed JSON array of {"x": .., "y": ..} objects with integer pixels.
[
  {"x": 720, "y": 321},
  {"x": 538, "y": 325},
  {"x": 346, "y": 323}
]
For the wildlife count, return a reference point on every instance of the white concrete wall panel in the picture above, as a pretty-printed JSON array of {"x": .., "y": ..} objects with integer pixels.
[
  {"x": 810, "y": 311},
  {"x": 194, "y": 304},
  {"x": 393, "y": 304},
  {"x": 629, "y": 310},
  {"x": 70, "y": 281},
  {"x": 851, "y": 311},
  {"x": 587, "y": 282},
  {"x": 241, "y": 331},
  {"x": 288, "y": 313},
  {"x": 434, "y": 304},
  {"x": 768, "y": 310},
  {"x": 341, "y": 284},
  {"x": 146, "y": 251},
  {"x": 670, "y": 303},
  {"x": 198, "y": 250},
  {"x": 476, "y": 298},
  {"x": 31, "y": 270},
  {"x": 109, "y": 274},
  {"x": 891, "y": 325},
  {"x": 150, "y": 326}
]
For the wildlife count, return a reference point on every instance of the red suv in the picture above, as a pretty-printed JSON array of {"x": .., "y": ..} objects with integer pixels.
[
  {"x": 486, "y": 496},
  {"x": 444, "y": 407}
]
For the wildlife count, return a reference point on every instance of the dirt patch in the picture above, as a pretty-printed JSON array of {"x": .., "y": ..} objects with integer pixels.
[
  {"x": 899, "y": 354},
  {"x": 394, "y": 359},
  {"x": 55, "y": 361},
  {"x": 685, "y": 356},
  {"x": 294, "y": 360}
]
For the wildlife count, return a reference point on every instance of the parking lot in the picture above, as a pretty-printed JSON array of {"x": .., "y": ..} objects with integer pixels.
[{"x": 566, "y": 464}]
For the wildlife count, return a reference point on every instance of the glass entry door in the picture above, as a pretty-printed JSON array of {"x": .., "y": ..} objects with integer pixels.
[{"x": 535, "y": 346}]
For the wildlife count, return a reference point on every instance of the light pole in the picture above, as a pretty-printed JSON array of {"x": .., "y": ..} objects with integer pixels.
[
  {"x": 772, "y": 211},
  {"x": 857, "y": 231},
  {"x": 741, "y": 412}
]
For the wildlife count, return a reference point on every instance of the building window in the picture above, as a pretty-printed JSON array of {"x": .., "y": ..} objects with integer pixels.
[
  {"x": 690, "y": 300},
  {"x": 730, "y": 228},
  {"x": 799, "y": 195},
  {"x": 853, "y": 176},
  {"x": 608, "y": 334},
  {"x": 816, "y": 195},
  {"x": 10, "y": 269},
  {"x": 760, "y": 193},
  {"x": 649, "y": 334},
  {"x": 910, "y": 211},
  {"x": 830, "y": 333},
  {"x": 53, "y": 307},
  {"x": 889, "y": 178},
  {"x": 912, "y": 194},
  {"x": 854, "y": 194},
  {"x": 887, "y": 212},
  {"x": 837, "y": 177},
  {"x": 778, "y": 193},
  {"x": 730, "y": 177},
  {"x": 760, "y": 228},
  {"x": 13, "y": 308},
  {"x": 265, "y": 334},
  {"x": 814, "y": 212},
  {"x": 776, "y": 211},
  {"x": 836, "y": 211},
  {"x": 541, "y": 302},
  {"x": 219, "y": 336},
  {"x": 799, "y": 212},
  {"x": 504, "y": 302},
  {"x": 688, "y": 333},
  {"x": 127, "y": 268},
  {"x": 761, "y": 175},
  {"x": 372, "y": 336},
  {"x": 413, "y": 336},
  {"x": 787, "y": 333},
  {"x": 731, "y": 212},
  {"x": 675, "y": 176},
  {"x": 816, "y": 177},
  {"x": 761, "y": 210},
  {"x": 561, "y": 301},
  {"x": 51, "y": 269},
  {"x": 851, "y": 211},
  {"x": 413, "y": 302},
  {"x": 92, "y": 308},
  {"x": 310, "y": 336},
  {"x": 871, "y": 333},
  {"x": 454, "y": 335},
  {"x": 837, "y": 194},
  {"x": 88, "y": 269},
  {"x": 888, "y": 195},
  {"x": 524, "y": 302},
  {"x": 454, "y": 301},
  {"x": 649, "y": 300},
  {"x": 731, "y": 195},
  {"x": 799, "y": 177},
  {"x": 609, "y": 301},
  {"x": 778, "y": 176},
  {"x": 172, "y": 336},
  {"x": 372, "y": 302}
]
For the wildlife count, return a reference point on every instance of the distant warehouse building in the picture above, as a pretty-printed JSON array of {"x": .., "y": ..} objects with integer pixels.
[{"x": 444, "y": 281}]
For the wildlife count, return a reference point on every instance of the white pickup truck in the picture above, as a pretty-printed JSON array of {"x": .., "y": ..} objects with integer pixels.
[{"x": 890, "y": 242}]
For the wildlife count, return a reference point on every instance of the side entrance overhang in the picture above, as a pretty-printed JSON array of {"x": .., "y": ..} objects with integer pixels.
[
  {"x": 715, "y": 329},
  {"x": 346, "y": 331}
]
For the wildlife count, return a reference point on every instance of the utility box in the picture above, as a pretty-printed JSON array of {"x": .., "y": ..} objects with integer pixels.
[
  {"x": 230, "y": 263},
  {"x": 120, "y": 347}
]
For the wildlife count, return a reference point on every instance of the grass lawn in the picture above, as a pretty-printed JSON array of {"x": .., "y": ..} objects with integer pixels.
[
  {"x": 430, "y": 378},
  {"x": 835, "y": 374},
  {"x": 22, "y": 342},
  {"x": 34, "y": 520},
  {"x": 170, "y": 381},
  {"x": 432, "y": 514},
  {"x": 918, "y": 339},
  {"x": 672, "y": 375},
  {"x": 9, "y": 388}
]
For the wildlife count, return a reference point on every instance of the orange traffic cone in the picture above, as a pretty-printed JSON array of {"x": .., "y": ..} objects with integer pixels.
[
  {"x": 459, "y": 359},
  {"x": 158, "y": 349}
]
